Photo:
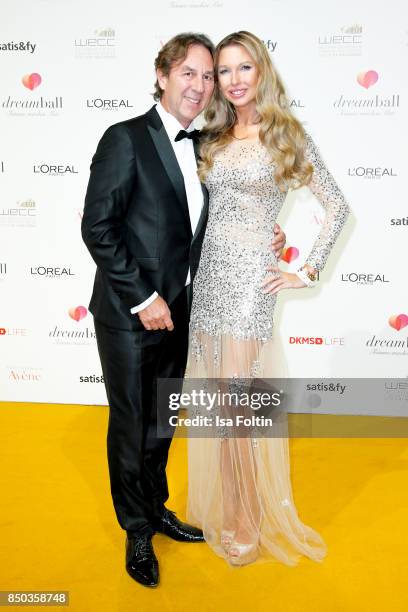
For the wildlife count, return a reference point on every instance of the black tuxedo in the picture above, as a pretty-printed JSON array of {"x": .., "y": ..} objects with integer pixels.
[
  {"x": 136, "y": 226},
  {"x": 136, "y": 222}
]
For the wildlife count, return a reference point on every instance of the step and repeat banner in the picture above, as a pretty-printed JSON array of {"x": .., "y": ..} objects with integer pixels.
[{"x": 70, "y": 69}]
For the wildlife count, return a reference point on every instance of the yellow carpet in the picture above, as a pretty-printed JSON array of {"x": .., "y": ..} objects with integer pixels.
[{"x": 59, "y": 531}]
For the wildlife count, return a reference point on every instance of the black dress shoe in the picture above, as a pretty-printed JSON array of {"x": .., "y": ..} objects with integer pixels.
[
  {"x": 141, "y": 562},
  {"x": 175, "y": 529}
]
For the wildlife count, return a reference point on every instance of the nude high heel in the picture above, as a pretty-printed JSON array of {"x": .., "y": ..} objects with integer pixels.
[
  {"x": 226, "y": 539},
  {"x": 242, "y": 554}
]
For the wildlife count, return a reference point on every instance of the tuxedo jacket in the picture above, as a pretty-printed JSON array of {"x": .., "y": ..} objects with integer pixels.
[{"x": 136, "y": 222}]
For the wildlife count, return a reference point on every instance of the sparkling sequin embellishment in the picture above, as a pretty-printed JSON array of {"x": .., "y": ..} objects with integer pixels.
[{"x": 243, "y": 206}]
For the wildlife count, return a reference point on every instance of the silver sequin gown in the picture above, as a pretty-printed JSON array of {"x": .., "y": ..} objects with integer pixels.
[{"x": 243, "y": 485}]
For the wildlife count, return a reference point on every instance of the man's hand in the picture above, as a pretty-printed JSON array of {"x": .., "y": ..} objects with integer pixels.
[
  {"x": 278, "y": 241},
  {"x": 156, "y": 316}
]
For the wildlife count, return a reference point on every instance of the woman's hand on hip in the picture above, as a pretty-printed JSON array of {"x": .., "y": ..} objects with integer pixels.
[{"x": 280, "y": 280}]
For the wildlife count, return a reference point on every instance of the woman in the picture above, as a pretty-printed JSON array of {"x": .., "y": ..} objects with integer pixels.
[{"x": 253, "y": 151}]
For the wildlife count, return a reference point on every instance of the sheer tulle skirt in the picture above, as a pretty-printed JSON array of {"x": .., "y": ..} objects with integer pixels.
[{"x": 241, "y": 486}]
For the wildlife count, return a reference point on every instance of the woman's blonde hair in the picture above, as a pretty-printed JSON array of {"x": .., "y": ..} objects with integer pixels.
[{"x": 280, "y": 132}]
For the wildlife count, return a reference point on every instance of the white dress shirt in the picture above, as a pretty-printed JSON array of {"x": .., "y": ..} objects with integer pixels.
[{"x": 184, "y": 151}]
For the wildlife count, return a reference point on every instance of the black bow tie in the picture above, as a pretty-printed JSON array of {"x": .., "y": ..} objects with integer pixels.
[{"x": 193, "y": 135}]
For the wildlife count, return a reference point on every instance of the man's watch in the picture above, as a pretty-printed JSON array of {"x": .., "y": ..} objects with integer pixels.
[{"x": 309, "y": 278}]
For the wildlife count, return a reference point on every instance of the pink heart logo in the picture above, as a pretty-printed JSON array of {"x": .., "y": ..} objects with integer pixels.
[
  {"x": 31, "y": 81},
  {"x": 290, "y": 254},
  {"x": 77, "y": 313},
  {"x": 398, "y": 322},
  {"x": 367, "y": 79}
]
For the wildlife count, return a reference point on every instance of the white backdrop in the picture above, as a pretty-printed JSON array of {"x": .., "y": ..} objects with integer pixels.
[{"x": 70, "y": 69}]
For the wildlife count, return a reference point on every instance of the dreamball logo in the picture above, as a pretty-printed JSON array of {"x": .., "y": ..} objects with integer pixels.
[
  {"x": 395, "y": 344},
  {"x": 398, "y": 322},
  {"x": 77, "y": 313},
  {"x": 380, "y": 103},
  {"x": 33, "y": 104},
  {"x": 367, "y": 79},
  {"x": 290, "y": 254},
  {"x": 31, "y": 81},
  {"x": 75, "y": 334}
]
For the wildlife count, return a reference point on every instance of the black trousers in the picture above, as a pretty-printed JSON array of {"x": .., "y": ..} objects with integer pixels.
[{"x": 131, "y": 363}]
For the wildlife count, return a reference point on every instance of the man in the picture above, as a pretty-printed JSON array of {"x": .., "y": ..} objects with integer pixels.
[{"x": 144, "y": 221}]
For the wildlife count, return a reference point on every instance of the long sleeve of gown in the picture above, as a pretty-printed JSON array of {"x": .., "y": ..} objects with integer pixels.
[{"x": 330, "y": 196}]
